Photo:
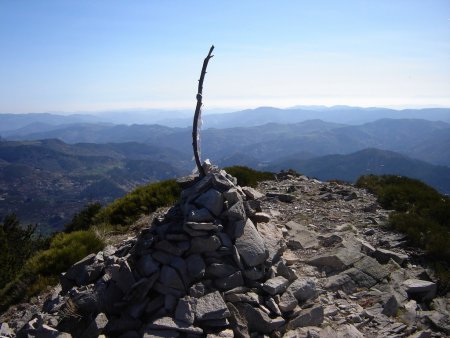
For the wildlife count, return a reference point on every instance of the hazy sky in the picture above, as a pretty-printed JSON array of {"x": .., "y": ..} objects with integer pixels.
[{"x": 95, "y": 55}]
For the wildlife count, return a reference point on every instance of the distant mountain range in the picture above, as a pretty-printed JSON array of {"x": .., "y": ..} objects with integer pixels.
[
  {"x": 213, "y": 118},
  {"x": 53, "y": 165},
  {"x": 421, "y": 139}
]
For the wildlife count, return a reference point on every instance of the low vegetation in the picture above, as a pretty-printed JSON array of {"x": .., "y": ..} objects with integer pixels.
[
  {"x": 247, "y": 176},
  {"x": 420, "y": 212}
]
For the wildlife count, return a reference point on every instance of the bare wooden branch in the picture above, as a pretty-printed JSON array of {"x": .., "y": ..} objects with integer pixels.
[{"x": 195, "y": 131}]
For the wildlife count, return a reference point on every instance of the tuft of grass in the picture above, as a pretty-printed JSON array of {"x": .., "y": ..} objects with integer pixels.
[{"x": 249, "y": 177}]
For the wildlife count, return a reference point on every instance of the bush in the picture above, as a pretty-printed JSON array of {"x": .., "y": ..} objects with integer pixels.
[
  {"x": 44, "y": 268},
  {"x": 84, "y": 219},
  {"x": 247, "y": 176},
  {"x": 143, "y": 200},
  {"x": 421, "y": 212}
]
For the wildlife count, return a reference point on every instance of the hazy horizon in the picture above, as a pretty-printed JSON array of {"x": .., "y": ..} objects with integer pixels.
[{"x": 79, "y": 56}]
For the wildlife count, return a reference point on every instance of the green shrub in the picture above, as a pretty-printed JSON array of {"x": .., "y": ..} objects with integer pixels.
[
  {"x": 84, "y": 219},
  {"x": 143, "y": 200},
  {"x": 421, "y": 212},
  {"x": 247, "y": 176},
  {"x": 44, "y": 268}
]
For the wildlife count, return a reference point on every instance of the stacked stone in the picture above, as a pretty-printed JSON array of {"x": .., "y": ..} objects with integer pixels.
[{"x": 212, "y": 265}]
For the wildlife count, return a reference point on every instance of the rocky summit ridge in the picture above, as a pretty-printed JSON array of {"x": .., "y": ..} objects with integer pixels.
[{"x": 295, "y": 258}]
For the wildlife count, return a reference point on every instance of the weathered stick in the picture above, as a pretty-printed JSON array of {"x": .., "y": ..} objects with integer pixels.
[{"x": 195, "y": 138}]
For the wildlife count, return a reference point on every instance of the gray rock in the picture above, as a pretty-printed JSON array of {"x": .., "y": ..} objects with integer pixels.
[
  {"x": 170, "y": 323},
  {"x": 261, "y": 217},
  {"x": 123, "y": 276},
  {"x": 155, "y": 304},
  {"x": 273, "y": 306},
  {"x": 303, "y": 289},
  {"x": 79, "y": 271},
  {"x": 96, "y": 327},
  {"x": 302, "y": 239},
  {"x": 236, "y": 212},
  {"x": 275, "y": 285},
  {"x": 211, "y": 200},
  {"x": 371, "y": 267},
  {"x": 286, "y": 198},
  {"x": 338, "y": 261},
  {"x": 288, "y": 302},
  {"x": 440, "y": 321},
  {"x": 420, "y": 289},
  {"x": 230, "y": 282},
  {"x": 252, "y": 207},
  {"x": 308, "y": 317},
  {"x": 232, "y": 196},
  {"x": 383, "y": 256},
  {"x": 238, "y": 322},
  {"x": 344, "y": 331},
  {"x": 149, "y": 333},
  {"x": 251, "y": 245},
  {"x": 391, "y": 306},
  {"x": 421, "y": 334},
  {"x": 274, "y": 241},
  {"x": 46, "y": 331},
  {"x": 211, "y": 306},
  {"x": 141, "y": 288},
  {"x": 195, "y": 266},
  {"x": 221, "y": 182},
  {"x": 360, "y": 278},
  {"x": 259, "y": 321},
  {"x": 252, "y": 193},
  {"x": 203, "y": 226},
  {"x": 340, "y": 282},
  {"x": 170, "y": 278},
  {"x": 254, "y": 273},
  {"x": 146, "y": 265},
  {"x": 285, "y": 271},
  {"x": 329, "y": 240},
  {"x": 185, "y": 310},
  {"x": 200, "y": 215},
  {"x": 168, "y": 247},
  {"x": 219, "y": 270},
  {"x": 205, "y": 244}
]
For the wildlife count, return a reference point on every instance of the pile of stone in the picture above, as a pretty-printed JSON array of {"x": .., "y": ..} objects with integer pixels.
[{"x": 211, "y": 266}]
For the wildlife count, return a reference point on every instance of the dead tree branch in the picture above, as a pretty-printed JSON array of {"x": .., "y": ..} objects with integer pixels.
[{"x": 195, "y": 128}]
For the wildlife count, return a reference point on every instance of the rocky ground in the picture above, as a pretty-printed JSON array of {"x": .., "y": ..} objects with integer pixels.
[{"x": 295, "y": 258}]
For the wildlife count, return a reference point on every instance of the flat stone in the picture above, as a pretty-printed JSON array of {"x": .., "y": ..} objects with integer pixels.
[
  {"x": 203, "y": 226},
  {"x": 230, "y": 282},
  {"x": 220, "y": 270},
  {"x": 146, "y": 265},
  {"x": 371, "y": 267},
  {"x": 420, "y": 289},
  {"x": 195, "y": 267},
  {"x": 170, "y": 278},
  {"x": 156, "y": 334},
  {"x": 383, "y": 256},
  {"x": 96, "y": 327},
  {"x": 236, "y": 212},
  {"x": 338, "y": 261},
  {"x": 344, "y": 331},
  {"x": 308, "y": 317},
  {"x": 288, "y": 302},
  {"x": 185, "y": 310},
  {"x": 205, "y": 244},
  {"x": 177, "y": 325},
  {"x": 252, "y": 193},
  {"x": 259, "y": 321},
  {"x": 211, "y": 200},
  {"x": 232, "y": 196},
  {"x": 200, "y": 215},
  {"x": 340, "y": 282},
  {"x": 360, "y": 278},
  {"x": 261, "y": 217},
  {"x": 274, "y": 241},
  {"x": 211, "y": 306},
  {"x": 275, "y": 285},
  {"x": 303, "y": 289},
  {"x": 123, "y": 276},
  {"x": 302, "y": 239},
  {"x": 168, "y": 247},
  {"x": 251, "y": 245}
]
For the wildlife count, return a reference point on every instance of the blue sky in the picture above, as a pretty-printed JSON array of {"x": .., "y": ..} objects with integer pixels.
[{"x": 92, "y": 55}]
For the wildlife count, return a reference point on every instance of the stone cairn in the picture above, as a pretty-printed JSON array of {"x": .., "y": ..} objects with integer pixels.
[{"x": 211, "y": 266}]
